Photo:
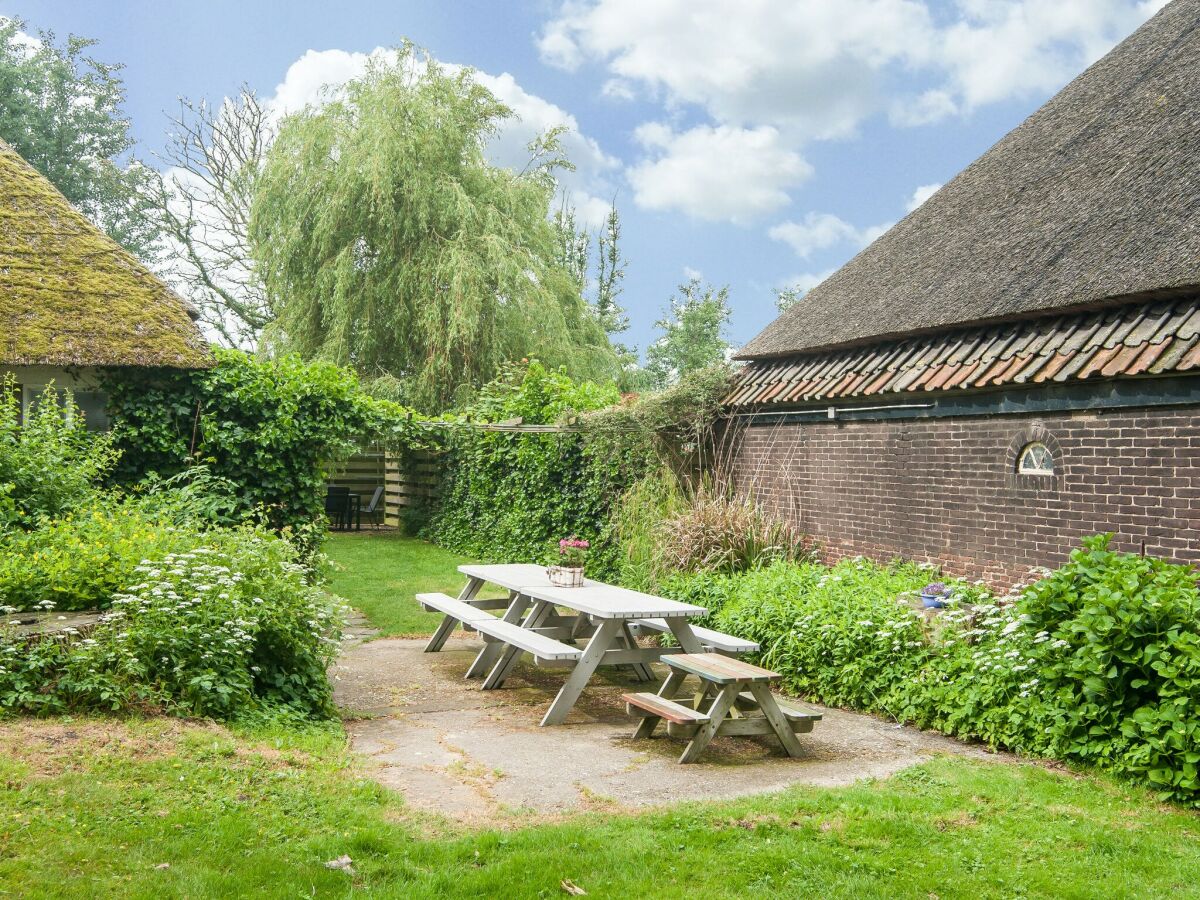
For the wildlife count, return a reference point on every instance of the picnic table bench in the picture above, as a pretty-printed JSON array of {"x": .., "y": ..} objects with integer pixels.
[
  {"x": 742, "y": 704},
  {"x": 598, "y": 628}
]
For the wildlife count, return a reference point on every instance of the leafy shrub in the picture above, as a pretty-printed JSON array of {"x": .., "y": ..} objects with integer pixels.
[
  {"x": 83, "y": 559},
  {"x": 512, "y": 496},
  {"x": 267, "y": 427},
  {"x": 1098, "y": 662},
  {"x": 49, "y": 463},
  {"x": 227, "y": 628}
]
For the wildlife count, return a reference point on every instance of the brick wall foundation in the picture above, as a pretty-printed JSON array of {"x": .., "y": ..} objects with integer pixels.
[{"x": 946, "y": 490}]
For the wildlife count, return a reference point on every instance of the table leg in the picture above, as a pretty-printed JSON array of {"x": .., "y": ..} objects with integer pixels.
[
  {"x": 670, "y": 688},
  {"x": 517, "y": 602},
  {"x": 779, "y": 723},
  {"x": 641, "y": 671},
  {"x": 716, "y": 717},
  {"x": 684, "y": 634},
  {"x": 470, "y": 589},
  {"x": 509, "y": 654},
  {"x": 601, "y": 641}
]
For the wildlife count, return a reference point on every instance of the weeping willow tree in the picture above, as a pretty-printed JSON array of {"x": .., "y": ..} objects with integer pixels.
[{"x": 396, "y": 248}]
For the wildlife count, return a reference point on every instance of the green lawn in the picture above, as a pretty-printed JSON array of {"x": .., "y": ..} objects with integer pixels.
[
  {"x": 161, "y": 808},
  {"x": 379, "y": 573},
  {"x": 95, "y": 808}
]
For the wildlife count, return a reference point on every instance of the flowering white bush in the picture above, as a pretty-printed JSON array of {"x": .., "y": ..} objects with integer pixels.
[{"x": 224, "y": 629}]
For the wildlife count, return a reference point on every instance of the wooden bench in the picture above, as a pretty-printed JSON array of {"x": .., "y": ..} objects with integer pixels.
[
  {"x": 716, "y": 640},
  {"x": 652, "y": 705},
  {"x": 741, "y": 704},
  {"x": 542, "y": 647}
]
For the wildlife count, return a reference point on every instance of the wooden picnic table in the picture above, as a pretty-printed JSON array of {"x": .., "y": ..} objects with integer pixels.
[{"x": 601, "y": 613}]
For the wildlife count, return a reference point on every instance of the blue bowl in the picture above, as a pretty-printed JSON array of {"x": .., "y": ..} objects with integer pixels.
[{"x": 933, "y": 601}]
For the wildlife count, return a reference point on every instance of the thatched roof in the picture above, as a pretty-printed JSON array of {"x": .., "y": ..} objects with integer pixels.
[
  {"x": 1158, "y": 338},
  {"x": 70, "y": 296},
  {"x": 1095, "y": 197}
]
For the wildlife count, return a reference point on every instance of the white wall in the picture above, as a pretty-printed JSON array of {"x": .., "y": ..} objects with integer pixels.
[{"x": 83, "y": 382}]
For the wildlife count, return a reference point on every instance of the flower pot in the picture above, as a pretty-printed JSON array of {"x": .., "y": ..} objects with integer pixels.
[
  {"x": 565, "y": 576},
  {"x": 934, "y": 601}
]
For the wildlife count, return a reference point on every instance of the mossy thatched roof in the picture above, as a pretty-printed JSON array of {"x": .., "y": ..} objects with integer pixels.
[
  {"x": 1094, "y": 200},
  {"x": 71, "y": 296}
]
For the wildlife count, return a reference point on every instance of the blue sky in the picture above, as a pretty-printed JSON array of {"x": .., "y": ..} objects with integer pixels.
[{"x": 758, "y": 143}]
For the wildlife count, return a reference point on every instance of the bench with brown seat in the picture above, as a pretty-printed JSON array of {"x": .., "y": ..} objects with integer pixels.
[{"x": 742, "y": 704}]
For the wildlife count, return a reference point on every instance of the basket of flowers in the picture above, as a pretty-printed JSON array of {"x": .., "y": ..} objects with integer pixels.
[{"x": 567, "y": 568}]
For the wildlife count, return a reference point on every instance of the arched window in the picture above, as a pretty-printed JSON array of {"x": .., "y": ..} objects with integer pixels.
[{"x": 1035, "y": 459}]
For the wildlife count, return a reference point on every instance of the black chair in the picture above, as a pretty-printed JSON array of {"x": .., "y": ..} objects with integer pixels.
[
  {"x": 337, "y": 506},
  {"x": 373, "y": 507}
]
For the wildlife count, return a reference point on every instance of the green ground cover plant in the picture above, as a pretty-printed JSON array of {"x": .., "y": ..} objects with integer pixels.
[
  {"x": 231, "y": 627},
  {"x": 201, "y": 617},
  {"x": 1094, "y": 663}
]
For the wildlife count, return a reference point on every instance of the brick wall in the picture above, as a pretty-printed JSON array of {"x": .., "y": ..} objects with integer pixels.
[{"x": 946, "y": 490}]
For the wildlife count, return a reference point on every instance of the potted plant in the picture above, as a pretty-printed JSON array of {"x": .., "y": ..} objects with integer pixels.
[
  {"x": 935, "y": 595},
  {"x": 567, "y": 570}
]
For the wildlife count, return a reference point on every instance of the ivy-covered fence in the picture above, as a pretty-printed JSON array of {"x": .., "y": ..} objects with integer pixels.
[{"x": 511, "y": 495}]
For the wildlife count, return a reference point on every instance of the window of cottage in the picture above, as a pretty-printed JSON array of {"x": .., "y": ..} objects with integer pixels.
[{"x": 1035, "y": 459}]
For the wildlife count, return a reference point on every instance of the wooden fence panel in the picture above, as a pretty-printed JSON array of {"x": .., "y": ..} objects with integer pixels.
[
  {"x": 409, "y": 482},
  {"x": 362, "y": 473}
]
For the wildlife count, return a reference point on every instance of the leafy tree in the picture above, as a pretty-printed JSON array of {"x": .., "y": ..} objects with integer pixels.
[
  {"x": 693, "y": 333},
  {"x": 786, "y": 298},
  {"x": 610, "y": 272},
  {"x": 396, "y": 248},
  {"x": 572, "y": 249},
  {"x": 61, "y": 110},
  {"x": 202, "y": 207}
]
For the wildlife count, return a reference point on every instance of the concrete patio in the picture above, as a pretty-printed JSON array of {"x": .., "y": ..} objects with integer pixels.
[{"x": 455, "y": 750}]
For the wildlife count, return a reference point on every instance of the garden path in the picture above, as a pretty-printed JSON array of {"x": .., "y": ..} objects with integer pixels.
[{"x": 480, "y": 756}]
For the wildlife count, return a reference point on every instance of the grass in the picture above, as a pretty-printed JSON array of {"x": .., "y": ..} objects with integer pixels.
[
  {"x": 380, "y": 573},
  {"x": 162, "y": 808}
]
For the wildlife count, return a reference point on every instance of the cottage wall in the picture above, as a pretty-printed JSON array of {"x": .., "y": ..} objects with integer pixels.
[{"x": 946, "y": 490}]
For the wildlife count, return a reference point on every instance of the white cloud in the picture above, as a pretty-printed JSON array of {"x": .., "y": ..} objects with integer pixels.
[
  {"x": 805, "y": 281},
  {"x": 692, "y": 274},
  {"x": 1000, "y": 49},
  {"x": 806, "y": 64},
  {"x": 817, "y": 69},
  {"x": 310, "y": 79},
  {"x": 920, "y": 195},
  {"x": 715, "y": 173},
  {"x": 772, "y": 77},
  {"x": 820, "y": 231}
]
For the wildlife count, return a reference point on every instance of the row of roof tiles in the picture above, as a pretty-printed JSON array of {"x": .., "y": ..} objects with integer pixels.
[{"x": 1147, "y": 339}]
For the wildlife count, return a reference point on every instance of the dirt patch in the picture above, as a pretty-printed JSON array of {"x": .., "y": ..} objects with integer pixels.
[
  {"x": 52, "y": 748},
  {"x": 476, "y": 756}
]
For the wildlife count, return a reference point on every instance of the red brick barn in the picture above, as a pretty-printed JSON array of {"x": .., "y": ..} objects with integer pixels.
[{"x": 1016, "y": 364}]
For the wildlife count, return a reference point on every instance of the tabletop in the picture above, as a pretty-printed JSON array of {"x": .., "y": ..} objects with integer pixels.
[{"x": 594, "y": 598}]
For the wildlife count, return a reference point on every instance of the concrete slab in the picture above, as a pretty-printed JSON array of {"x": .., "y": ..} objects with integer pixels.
[{"x": 453, "y": 749}]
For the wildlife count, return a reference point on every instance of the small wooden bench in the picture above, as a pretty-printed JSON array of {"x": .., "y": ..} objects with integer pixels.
[
  {"x": 651, "y": 705},
  {"x": 742, "y": 704},
  {"x": 716, "y": 640},
  {"x": 542, "y": 647}
]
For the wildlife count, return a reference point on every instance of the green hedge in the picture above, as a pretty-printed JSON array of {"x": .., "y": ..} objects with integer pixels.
[
  {"x": 265, "y": 426},
  {"x": 511, "y": 496},
  {"x": 1098, "y": 663}
]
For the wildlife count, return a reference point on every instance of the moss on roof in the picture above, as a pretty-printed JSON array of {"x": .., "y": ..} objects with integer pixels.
[{"x": 70, "y": 295}]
